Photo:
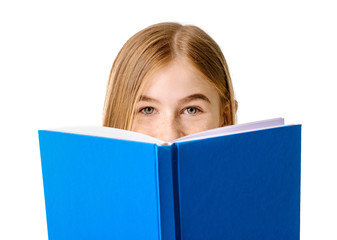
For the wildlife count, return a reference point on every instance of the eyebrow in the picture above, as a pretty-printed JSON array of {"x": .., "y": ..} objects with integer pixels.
[
  {"x": 196, "y": 96},
  {"x": 144, "y": 98}
]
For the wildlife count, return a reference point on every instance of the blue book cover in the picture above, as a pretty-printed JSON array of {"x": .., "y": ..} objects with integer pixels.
[{"x": 237, "y": 182}]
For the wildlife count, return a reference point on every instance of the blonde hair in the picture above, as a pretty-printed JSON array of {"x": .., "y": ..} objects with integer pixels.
[{"x": 152, "y": 48}]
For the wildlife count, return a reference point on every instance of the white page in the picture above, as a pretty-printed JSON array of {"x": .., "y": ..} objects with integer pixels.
[
  {"x": 107, "y": 132},
  {"x": 239, "y": 128},
  {"x": 116, "y": 133}
]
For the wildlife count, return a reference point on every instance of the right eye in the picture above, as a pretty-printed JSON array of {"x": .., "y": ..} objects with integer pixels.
[{"x": 147, "y": 110}]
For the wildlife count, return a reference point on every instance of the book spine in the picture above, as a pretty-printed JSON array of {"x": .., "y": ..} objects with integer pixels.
[{"x": 166, "y": 192}]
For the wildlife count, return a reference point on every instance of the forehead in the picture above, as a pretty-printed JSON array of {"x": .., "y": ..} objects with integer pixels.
[{"x": 177, "y": 79}]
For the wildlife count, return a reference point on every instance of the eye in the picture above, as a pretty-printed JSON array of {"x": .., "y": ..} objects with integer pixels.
[
  {"x": 147, "y": 110},
  {"x": 191, "y": 110}
]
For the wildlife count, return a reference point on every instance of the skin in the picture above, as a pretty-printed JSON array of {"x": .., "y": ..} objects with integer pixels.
[{"x": 177, "y": 101}]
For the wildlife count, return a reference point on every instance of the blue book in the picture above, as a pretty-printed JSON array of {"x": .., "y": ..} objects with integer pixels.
[{"x": 235, "y": 182}]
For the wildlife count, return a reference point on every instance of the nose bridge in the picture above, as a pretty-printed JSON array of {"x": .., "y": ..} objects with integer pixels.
[{"x": 170, "y": 128}]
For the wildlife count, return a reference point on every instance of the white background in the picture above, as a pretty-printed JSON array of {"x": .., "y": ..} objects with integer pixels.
[{"x": 55, "y": 59}]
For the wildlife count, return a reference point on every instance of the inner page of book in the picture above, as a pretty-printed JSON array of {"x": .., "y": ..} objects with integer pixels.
[
  {"x": 115, "y": 133},
  {"x": 108, "y": 132},
  {"x": 245, "y": 127}
]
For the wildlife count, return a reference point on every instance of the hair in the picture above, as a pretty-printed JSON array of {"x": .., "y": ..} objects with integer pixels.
[{"x": 152, "y": 48}]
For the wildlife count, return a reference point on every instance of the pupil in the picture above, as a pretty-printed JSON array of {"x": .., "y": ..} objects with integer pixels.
[
  {"x": 148, "y": 110},
  {"x": 191, "y": 110}
]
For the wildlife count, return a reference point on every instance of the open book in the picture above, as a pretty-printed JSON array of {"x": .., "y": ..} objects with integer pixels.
[{"x": 235, "y": 182}]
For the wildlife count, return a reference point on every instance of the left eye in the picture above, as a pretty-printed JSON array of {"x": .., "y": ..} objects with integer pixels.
[
  {"x": 147, "y": 110},
  {"x": 191, "y": 110}
]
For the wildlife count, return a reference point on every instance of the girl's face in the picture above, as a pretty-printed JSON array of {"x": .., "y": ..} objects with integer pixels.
[{"x": 177, "y": 101}]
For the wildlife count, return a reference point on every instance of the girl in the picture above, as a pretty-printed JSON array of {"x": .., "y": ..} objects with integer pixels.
[{"x": 169, "y": 81}]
